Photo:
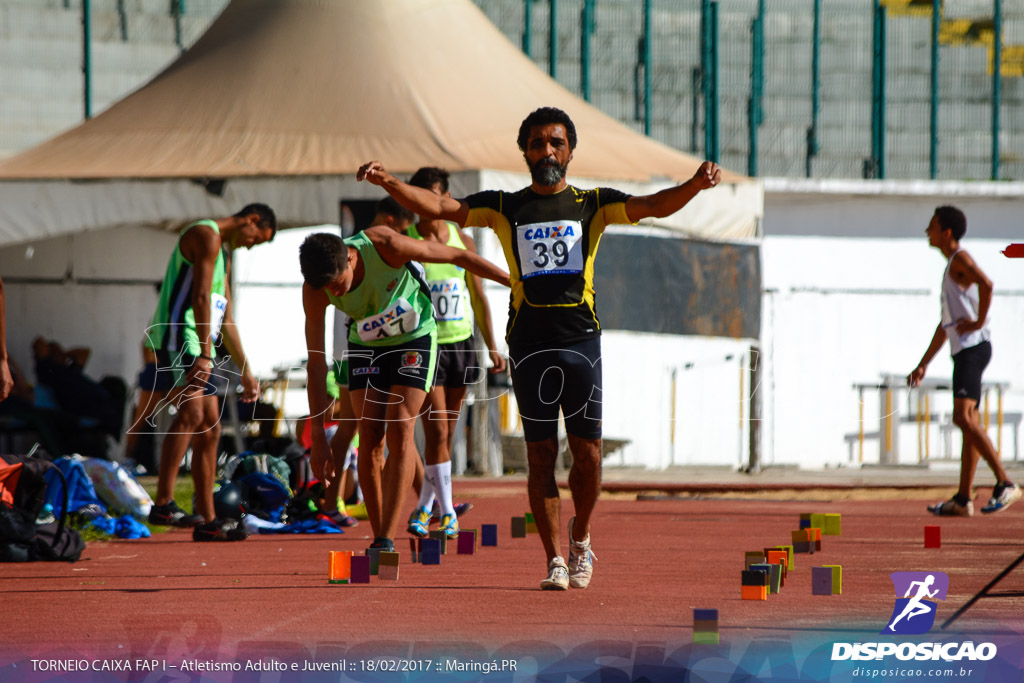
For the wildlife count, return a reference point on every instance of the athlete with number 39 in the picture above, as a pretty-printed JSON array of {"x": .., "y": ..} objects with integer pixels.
[{"x": 549, "y": 232}]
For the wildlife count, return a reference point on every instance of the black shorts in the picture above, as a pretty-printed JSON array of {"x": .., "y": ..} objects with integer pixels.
[
  {"x": 156, "y": 380},
  {"x": 566, "y": 377},
  {"x": 458, "y": 364},
  {"x": 968, "y": 365},
  {"x": 410, "y": 364}
]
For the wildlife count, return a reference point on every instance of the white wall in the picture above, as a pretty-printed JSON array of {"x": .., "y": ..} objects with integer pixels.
[
  {"x": 91, "y": 289},
  {"x": 845, "y": 310}
]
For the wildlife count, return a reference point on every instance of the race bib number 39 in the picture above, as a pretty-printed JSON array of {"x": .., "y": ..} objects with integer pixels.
[
  {"x": 447, "y": 297},
  {"x": 550, "y": 248},
  {"x": 397, "y": 319}
]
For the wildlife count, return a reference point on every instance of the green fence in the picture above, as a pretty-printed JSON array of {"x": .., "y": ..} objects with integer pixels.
[
  {"x": 842, "y": 88},
  {"x": 816, "y": 88}
]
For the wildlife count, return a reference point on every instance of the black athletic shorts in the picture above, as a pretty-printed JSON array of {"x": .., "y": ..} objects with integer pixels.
[
  {"x": 566, "y": 377},
  {"x": 154, "y": 379},
  {"x": 967, "y": 368},
  {"x": 410, "y": 364},
  {"x": 458, "y": 364}
]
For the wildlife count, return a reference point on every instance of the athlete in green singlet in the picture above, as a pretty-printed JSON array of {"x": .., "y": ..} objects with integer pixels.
[
  {"x": 458, "y": 299},
  {"x": 392, "y": 351},
  {"x": 194, "y": 309},
  {"x": 549, "y": 232}
]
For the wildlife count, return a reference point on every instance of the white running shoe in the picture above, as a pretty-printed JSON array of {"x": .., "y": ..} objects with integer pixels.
[
  {"x": 952, "y": 508},
  {"x": 558, "y": 576},
  {"x": 581, "y": 560},
  {"x": 1002, "y": 498}
]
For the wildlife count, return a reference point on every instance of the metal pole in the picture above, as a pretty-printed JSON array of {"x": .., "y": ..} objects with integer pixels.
[
  {"x": 997, "y": 74},
  {"x": 527, "y": 26},
  {"x": 695, "y": 88},
  {"x": 705, "y": 71},
  {"x": 122, "y": 16},
  {"x": 882, "y": 12},
  {"x": 647, "y": 67},
  {"x": 586, "y": 31},
  {"x": 754, "y": 113},
  {"x": 177, "y": 9},
  {"x": 876, "y": 167},
  {"x": 87, "y": 56},
  {"x": 812, "y": 132},
  {"x": 553, "y": 38},
  {"x": 715, "y": 153},
  {"x": 933, "y": 152},
  {"x": 754, "y": 411}
]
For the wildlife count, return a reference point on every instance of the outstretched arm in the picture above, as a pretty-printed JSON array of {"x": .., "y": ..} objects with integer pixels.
[
  {"x": 667, "y": 202},
  {"x": 938, "y": 339},
  {"x": 397, "y": 250},
  {"x": 417, "y": 199}
]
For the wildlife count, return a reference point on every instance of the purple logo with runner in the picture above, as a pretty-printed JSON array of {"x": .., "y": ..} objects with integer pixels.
[{"x": 916, "y": 596}]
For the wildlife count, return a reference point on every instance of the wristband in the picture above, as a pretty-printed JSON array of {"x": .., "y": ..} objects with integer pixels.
[{"x": 206, "y": 358}]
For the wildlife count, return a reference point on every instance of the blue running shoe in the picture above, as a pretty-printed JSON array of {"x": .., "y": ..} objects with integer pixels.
[
  {"x": 419, "y": 520},
  {"x": 460, "y": 509},
  {"x": 450, "y": 526}
]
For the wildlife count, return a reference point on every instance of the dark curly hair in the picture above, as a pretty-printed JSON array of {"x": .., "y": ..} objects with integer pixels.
[
  {"x": 322, "y": 257},
  {"x": 542, "y": 117}
]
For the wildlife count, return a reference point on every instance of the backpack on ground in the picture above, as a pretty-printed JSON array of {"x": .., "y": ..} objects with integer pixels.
[{"x": 22, "y": 495}]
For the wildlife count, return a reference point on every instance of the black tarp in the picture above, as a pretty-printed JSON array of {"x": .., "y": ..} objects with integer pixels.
[{"x": 671, "y": 285}]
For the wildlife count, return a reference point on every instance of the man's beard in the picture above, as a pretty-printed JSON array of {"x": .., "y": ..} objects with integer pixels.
[{"x": 547, "y": 172}]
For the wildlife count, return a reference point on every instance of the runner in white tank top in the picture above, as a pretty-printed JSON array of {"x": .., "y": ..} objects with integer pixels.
[{"x": 966, "y": 297}]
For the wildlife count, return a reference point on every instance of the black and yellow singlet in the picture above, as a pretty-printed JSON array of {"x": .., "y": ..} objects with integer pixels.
[{"x": 550, "y": 242}]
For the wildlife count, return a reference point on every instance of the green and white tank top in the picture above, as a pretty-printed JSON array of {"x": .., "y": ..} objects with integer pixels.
[
  {"x": 391, "y": 305},
  {"x": 173, "y": 327},
  {"x": 449, "y": 292}
]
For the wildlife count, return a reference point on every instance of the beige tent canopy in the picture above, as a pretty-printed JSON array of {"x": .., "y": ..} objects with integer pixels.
[{"x": 286, "y": 98}]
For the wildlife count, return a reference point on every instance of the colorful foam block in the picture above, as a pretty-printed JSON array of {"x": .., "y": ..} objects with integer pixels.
[
  {"x": 488, "y": 534},
  {"x": 360, "y": 569},
  {"x": 705, "y": 638},
  {"x": 439, "y": 535},
  {"x": 837, "y": 578},
  {"x": 754, "y": 578},
  {"x": 431, "y": 551},
  {"x": 789, "y": 556},
  {"x": 518, "y": 527},
  {"x": 805, "y": 520},
  {"x": 817, "y": 521},
  {"x": 339, "y": 566},
  {"x": 705, "y": 615},
  {"x": 814, "y": 535},
  {"x": 467, "y": 542},
  {"x": 414, "y": 549},
  {"x": 774, "y": 573},
  {"x": 529, "y": 518},
  {"x": 754, "y": 592},
  {"x": 531, "y": 528},
  {"x": 821, "y": 580},
  {"x": 705, "y": 626},
  {"x": 388, "y": 567},
  {"x": 753, "y": 557},
  {"x": 833, "y": 525},
  {"x": 932, "y": 536},
  {"x": 374, "y": 555}
]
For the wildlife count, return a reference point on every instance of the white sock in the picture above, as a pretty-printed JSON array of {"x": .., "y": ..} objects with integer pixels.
[
  {"x": 427, "y": 489},
  {"x": 442, "y": 476}
]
